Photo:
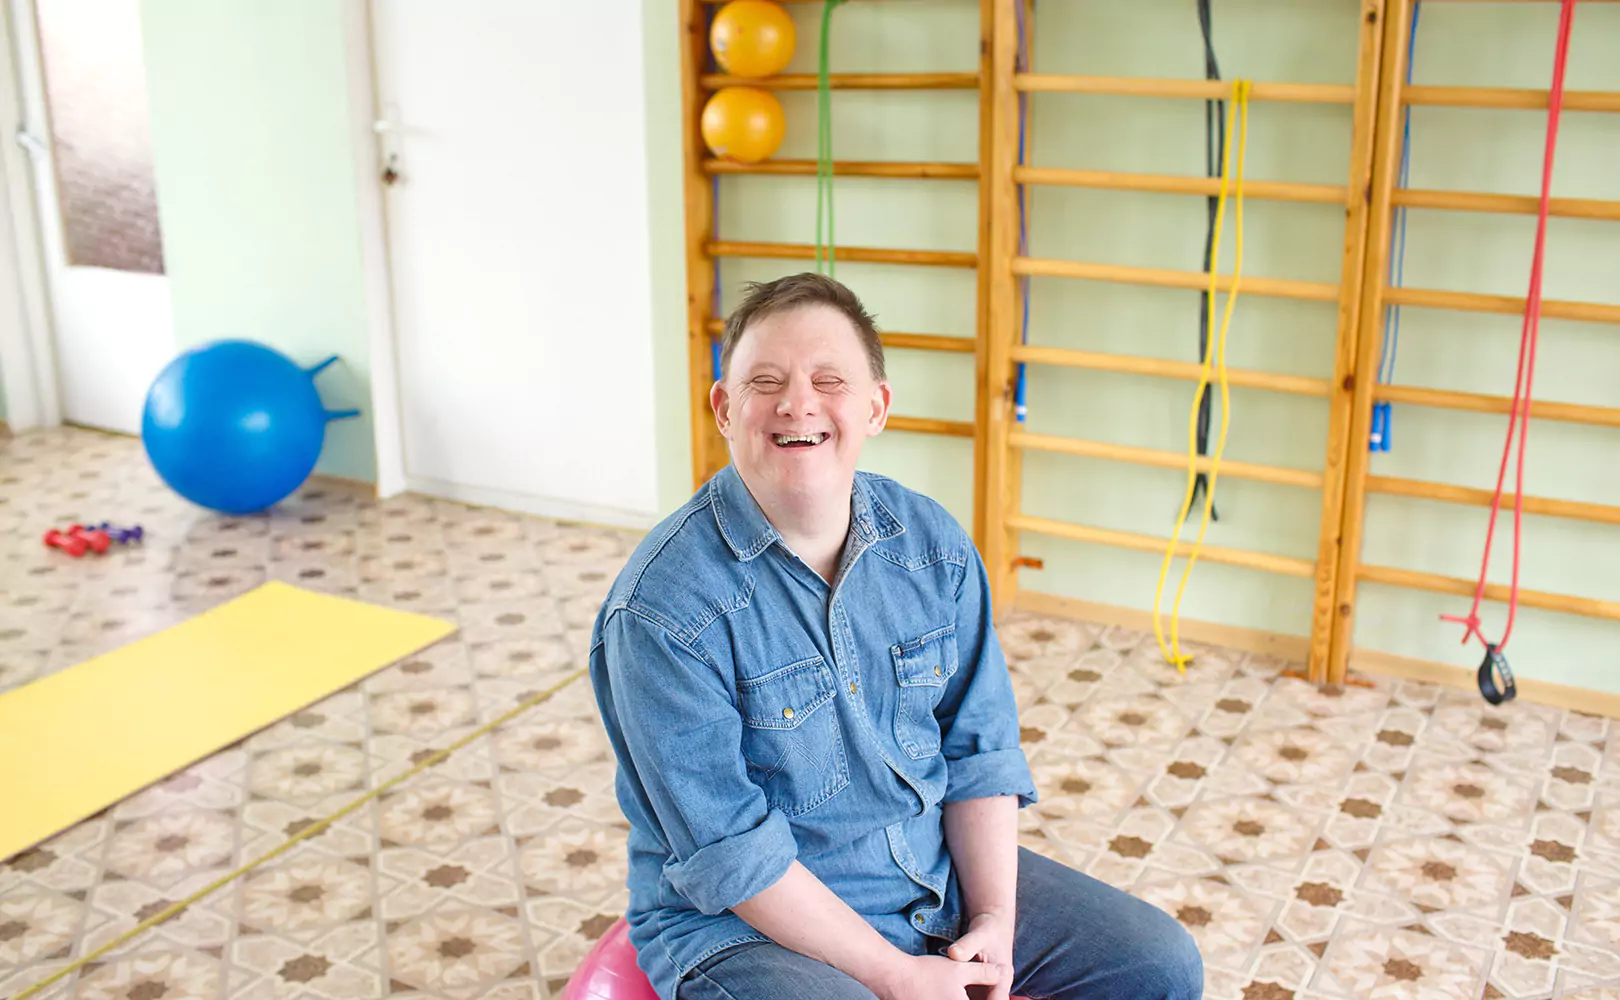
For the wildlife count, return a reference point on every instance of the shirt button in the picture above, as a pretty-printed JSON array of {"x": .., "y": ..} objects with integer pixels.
[
  {"x": 918, "y": 918},
  {"x": 787, "y": 713},
  {"x": 851, "y": 687},
  {"x": 936, "y": 672}
]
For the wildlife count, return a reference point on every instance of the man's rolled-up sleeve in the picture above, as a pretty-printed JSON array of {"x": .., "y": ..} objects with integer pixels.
[
  {"x": 978, "y": 715},
  {"x": 681, "y": 747}
]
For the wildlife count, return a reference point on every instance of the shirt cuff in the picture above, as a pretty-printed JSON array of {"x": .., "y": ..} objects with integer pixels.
[
  {"x": 991, "y": 773},
  {"x": 736, "y": 869}
]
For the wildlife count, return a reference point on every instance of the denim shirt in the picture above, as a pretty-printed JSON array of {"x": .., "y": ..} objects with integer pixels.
[{"x": 760, "y": 716}]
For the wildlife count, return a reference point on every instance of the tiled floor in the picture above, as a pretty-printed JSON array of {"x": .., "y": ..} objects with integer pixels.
[{"x": 1402, "y": 841}]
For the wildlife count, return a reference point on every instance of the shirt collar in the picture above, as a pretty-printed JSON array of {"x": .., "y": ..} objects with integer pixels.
[{"x": 748, "y": 532}]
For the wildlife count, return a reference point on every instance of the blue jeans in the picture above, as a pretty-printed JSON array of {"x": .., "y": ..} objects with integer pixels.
[{"x": 1076, "y": 938}]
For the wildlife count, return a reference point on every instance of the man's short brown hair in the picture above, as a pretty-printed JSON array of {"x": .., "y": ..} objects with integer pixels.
[{"x": 796, "y": 291}]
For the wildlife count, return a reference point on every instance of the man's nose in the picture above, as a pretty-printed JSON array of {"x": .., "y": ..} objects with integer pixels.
[{"x": 797, "y": 398}]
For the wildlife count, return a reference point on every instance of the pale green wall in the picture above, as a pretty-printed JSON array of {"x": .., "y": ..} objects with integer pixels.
[
  {"x": 256, "y": 191},
  {"x": 1263, "y": 41},
  {"x": 666, "y": 204}
]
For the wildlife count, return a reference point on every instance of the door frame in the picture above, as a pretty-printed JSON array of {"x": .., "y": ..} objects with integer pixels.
[
  {"x": 376, "y": 267},
  {"x": 27, "y": 338}
]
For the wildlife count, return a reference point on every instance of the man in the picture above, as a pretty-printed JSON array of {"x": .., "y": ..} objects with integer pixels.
[{"x": 815, "y": 728}]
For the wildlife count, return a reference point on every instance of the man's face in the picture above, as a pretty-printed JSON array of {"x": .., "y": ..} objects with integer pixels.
[{"x": 798, "y": 402}]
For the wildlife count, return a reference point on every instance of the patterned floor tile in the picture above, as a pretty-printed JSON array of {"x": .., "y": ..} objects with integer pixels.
[
  {"x": 341, "y": 963},
  {"x": 155, "y": 973},
  {"x": 1228, "y": 923},
  {"x": 459, "y": 952},
  {"x": 1377, "y": 962}
]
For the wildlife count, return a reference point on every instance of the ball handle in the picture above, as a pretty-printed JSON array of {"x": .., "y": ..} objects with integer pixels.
[
  {"x": 315, "y": 370},
  {"x": 319, "y": 367}
]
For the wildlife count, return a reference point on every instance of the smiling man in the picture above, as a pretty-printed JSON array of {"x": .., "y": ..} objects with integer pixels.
[{"x": 816, "y": 732}]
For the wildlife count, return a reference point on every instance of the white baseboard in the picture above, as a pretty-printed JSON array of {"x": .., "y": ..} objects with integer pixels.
[{"x": 523, "y": 503}]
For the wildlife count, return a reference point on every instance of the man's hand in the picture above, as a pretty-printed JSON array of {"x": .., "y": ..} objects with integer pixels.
[
  {"x": 930, "y": 977},
  {"x": 989, "y": 939}
]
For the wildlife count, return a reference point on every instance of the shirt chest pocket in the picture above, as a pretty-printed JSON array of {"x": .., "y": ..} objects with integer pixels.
[
  {"x": 922, "y": 667},
  {"x": 791, "y": 740}
]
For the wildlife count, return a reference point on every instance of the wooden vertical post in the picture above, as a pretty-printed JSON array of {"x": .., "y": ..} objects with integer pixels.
[
  {"x": 984, "y": 519},
  {"x": 708, "y": 448},
  {"x": 1342, "y": 440},
  {"x": 1012, "y": 496},
  {"x": 1386, "y": 167},
  {"x": 1000, "y": 540}
]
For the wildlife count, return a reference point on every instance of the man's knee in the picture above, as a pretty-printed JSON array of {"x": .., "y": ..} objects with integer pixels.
[
  {"x": 1080, "y": 937},
  {"x": 1182, "y": 964},
  {"x": 1098, "y": 941},
  {"x": 1166, "y": 964}
]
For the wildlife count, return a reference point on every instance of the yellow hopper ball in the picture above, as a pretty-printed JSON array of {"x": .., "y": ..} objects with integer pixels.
[
  {"x": 742, "y": 124},
  {"x": 752, "y": 38}
]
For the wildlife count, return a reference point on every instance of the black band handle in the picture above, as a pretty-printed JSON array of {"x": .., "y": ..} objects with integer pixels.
[{"x": 1487, "y": 683}]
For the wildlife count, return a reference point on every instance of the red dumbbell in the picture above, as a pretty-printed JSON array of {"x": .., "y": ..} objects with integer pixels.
[
  {"x": 99, "y": 541},
  {"x": 73, "y": 545}
]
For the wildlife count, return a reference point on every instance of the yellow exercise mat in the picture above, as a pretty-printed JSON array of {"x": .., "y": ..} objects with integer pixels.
[{"x": 78, "y": 741}]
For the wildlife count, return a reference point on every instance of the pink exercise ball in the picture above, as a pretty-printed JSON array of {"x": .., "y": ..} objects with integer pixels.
[{"x": 609, "y": 971}]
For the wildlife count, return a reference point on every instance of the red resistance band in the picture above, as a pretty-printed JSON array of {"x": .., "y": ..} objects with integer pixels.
[{"x": 1527, "y": 359}]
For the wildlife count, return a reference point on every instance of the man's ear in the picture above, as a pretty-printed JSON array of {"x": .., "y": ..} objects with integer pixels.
[
  {"x": 720, "y": 403},
  {"x": 882, "y": 395}
]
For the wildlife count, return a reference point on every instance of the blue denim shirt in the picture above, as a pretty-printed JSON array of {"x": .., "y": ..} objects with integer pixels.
[{"x": 759, "y": 716}]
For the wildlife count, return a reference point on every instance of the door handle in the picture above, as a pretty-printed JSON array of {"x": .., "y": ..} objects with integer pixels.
[{"x": 385, "y": 128}]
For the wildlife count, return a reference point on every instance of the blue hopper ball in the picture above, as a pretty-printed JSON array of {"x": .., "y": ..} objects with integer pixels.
[{"x": 235, "y": 426}]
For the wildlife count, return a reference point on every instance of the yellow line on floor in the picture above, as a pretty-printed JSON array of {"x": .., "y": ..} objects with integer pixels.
[{"x": 437, "y": 757}]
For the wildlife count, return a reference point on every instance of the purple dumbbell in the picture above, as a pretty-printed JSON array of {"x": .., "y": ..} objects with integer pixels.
[{"x": 120, "y": 535}]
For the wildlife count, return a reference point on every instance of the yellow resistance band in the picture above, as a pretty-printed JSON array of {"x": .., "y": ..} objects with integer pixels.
[
  {"x": 307, "y": 832},
  {"x": 1172, "y": 652}
]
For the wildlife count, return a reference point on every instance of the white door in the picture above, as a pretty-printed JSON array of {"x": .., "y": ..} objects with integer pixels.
[
  {"x": 85, "y": 124},
  {"x": 518, "y": 249}
]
